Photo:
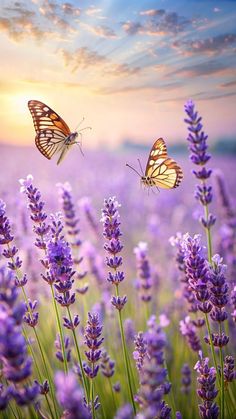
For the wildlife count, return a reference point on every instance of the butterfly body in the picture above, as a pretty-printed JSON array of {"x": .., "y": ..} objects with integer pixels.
[
  {"x": 161, "y": 170},
  {"x": 53, "y": 135}
]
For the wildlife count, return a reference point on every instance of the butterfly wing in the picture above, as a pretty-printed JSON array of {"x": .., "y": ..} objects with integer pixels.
[
  {"x": 163, "y": 171},
  {"x": 51, "y": 130}
]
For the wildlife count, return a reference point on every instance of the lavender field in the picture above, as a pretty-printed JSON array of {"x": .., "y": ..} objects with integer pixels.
[{"x": 116, "y": 301}]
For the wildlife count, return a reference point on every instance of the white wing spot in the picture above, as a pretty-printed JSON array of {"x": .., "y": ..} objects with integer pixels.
[{"x": 151, "y": 162}]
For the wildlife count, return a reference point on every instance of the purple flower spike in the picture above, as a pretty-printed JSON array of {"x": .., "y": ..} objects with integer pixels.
[
  {"x": 233, "y": 303},
  {"x": 229, "y": 371},
  {"x": 93, "y": 341},
  {"x": 125, "y": 412},
  {"x": 197, "y": 272},
  {"x": 144, "y": 282},
  {"x": 58, "y": 346},
  {"x": 198, "y": 155},
  {"x": 153, "y": 384},
  {"x": 71, "y": 222},
  {"x": 70, "y": 396},
  {"x": 118, "y": 302},
  {"x": 140, "y": 350},
  {"x": 188, "y": 329},
  {"x": 113, "y": 246},
  {"x": 38, "y": 216},
  {"x": 85, "y": 204},
  {"x": 206, "y": 390},
  {"x": 16, "y": 365},
  {"x": 186, "y": 379},
  {"x": 107, "y": 365}
]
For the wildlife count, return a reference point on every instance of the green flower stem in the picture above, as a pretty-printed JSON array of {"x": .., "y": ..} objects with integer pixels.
[
  {"x": 222, "y": 389},
  {"x": 220, "y": 376},
  {"x": 92, "y": 396},
  {"x": 60, "y": 330},
  {"x": 39, "y": 374},
  {"x": 48, "y": 374},
  {"x": 84, "y": 380},
  {"x": 208, "y": 233},
  {"x": 125, "y": 355},
  {"x": 171, "y": 394},
  {"x": 112, "y": 393},
  {"x": 212, "y": 348}
]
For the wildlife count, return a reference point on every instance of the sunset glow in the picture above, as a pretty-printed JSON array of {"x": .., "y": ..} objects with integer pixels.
[{"x": 126, "y": 68}]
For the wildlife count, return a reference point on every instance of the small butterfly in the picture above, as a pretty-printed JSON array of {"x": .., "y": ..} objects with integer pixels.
[
  {"x": 53, "y": 135},
  {"x": 161, "y": 171}
]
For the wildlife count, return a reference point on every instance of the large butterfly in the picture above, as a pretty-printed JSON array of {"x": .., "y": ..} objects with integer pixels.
[
  {"x": 53, "y": 135},
  {"x": 161, "y": 171}
]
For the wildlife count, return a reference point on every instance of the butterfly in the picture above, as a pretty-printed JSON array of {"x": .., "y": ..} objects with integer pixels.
[
  {"x": 161, "y": 171},
  {"x": 53, "y": 135}
]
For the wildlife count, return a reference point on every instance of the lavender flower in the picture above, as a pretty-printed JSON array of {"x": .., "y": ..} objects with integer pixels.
[
  {"x": 10, "y": 252},
  {"x": 186, "y": 379},
  {"x": 5, "y": 395},
  {"x": 129, "y": 330},
  {"x": 140, "y": 350},
  {"x": 59, "y": 262},
  {"x": 38, "y": 216},
  {"x": 233, "y": 303},
  {"x": 107, "y": 365},
  {"x": 70, "y": 396},
  {"x": 125, "y": 412},
  {"x": 113, "y": 246},
  {"x": 58, "y": 346},
  {"x": 219, "y": 289},
  {"x": 229, "y": 371},
  {"x": 93, "y": 341},
  {"x": 199, "y": 156},
  {"x": 197, "y": 272},
  {"x": 31, "y": 316},
  {"x": 187, "y": 293},
  {"x": 227, "y": 242},
  {"x": 144, "y": 283},
  {"x": 16, "y": 365},
  {"x": 85, "y": 204},
  {"x": 188, "y": 329},
  {"x": 206, "y": 391},
  {"x": 153, "y": 384},
  {"x": 72, "y": 227}
]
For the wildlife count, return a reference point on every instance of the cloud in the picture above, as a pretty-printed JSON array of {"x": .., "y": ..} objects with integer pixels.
[
  {"x": 157, "y": 22},
  {"x": 19, "y": 22},
  {"x": 20, "y": 25},
  {"x": 152, "y": 12},
  {"x": 208, "y": 46},
  {"x": 82, "y": 58},
  {"x": 205, "y": 68},
  {"x": 92, "y": 10},
  {"x": 102, "y": 31},
  {"x": 138, "y": 88},
  {"x": 114, "y": 69},
  {"x": 131, "y": 28},
  {"x": 229, "y": 84},
  {"x": 69, "y": 9}
]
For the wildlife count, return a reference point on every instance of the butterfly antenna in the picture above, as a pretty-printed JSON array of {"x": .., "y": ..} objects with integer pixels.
[
  {"x": 82, "y": 120},
  {"x": 133, "y": 169},
  {"x": 140, "y": 167}
]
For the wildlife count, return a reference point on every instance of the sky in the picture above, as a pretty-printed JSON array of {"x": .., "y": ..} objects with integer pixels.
[{"x": 127, "y": 67}]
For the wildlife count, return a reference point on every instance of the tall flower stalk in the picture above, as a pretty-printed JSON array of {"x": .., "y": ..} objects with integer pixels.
[
  {"x": 113, "y": 247},
  {"x": 16, "y": 366},
  {"x": 93, "y": 341},
  {"x": 198, "y": 155},
  {"x": 14, "y": 265}
]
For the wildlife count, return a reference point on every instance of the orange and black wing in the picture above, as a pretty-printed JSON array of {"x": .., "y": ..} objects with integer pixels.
[{"x": 51, "y": 130}]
